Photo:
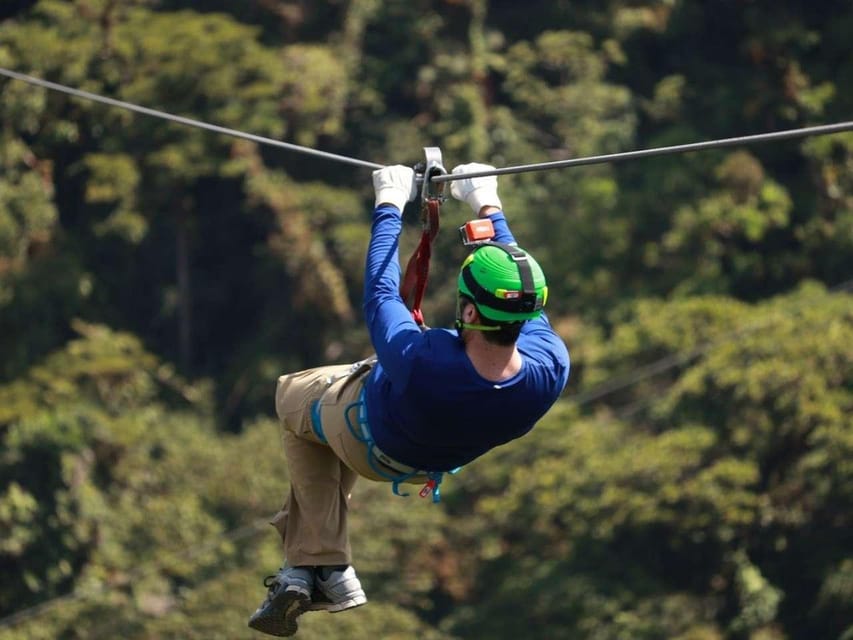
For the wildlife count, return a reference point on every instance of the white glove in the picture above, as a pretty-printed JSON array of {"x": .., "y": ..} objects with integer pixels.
[
  {"x": 395, "y": 185},
  {"x": 477, "y": 192}
]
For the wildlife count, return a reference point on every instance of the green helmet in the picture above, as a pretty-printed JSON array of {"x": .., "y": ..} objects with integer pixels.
[{"x": 505, "y": 282}]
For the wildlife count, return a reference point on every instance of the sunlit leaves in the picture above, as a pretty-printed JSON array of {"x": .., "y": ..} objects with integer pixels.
[
  {"x": 560, "y": 80},
  {"x": 27, "y": 210}
]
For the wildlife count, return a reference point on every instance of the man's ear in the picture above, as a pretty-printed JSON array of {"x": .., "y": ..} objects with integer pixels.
[{"x": 470, "y": 315}]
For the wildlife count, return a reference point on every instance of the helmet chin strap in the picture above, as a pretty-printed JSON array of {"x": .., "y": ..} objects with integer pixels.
[
  {"x": 470, "y": 326},
  {"x": 476, "y": 327}
]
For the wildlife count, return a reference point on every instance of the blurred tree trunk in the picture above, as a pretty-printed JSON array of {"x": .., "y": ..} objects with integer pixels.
[{"x": 184, "y": 281}]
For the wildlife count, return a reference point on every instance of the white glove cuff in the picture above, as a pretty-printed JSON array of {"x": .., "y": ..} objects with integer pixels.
[
  {"x": 483, "y": 196},
  {"x": 392, "y": 195}
]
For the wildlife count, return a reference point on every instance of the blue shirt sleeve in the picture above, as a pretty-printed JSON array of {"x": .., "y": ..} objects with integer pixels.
[
  {"x": 392, "y": 330},
  {"x": 502, "y": 232}
]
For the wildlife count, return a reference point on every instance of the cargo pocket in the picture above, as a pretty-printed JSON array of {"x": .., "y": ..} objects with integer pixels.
[{"x": 296, "y": 392}]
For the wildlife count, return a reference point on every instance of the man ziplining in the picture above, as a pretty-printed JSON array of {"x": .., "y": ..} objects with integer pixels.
[{"x": 430, "y": 401}]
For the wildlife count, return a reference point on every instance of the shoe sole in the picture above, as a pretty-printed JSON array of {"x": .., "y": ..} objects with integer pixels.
[
  {"x": 337, "y": 607},
  {"x": 278, "y": 618}
]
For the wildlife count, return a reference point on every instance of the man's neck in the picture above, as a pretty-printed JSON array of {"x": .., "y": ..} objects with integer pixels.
[{"x": 492, "y": 361}]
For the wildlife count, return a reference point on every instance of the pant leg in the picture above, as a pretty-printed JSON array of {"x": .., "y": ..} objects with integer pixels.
[
  {"x": 316, "y": 522},
  {"x": 313, "y": 520}
]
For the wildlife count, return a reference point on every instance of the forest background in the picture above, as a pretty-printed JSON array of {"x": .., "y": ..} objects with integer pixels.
[{"x": 694, "y": 483}]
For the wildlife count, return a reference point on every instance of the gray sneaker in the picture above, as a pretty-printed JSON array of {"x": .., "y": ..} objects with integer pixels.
[
  {"x": 288, "y": 597},
  {"x": 340, "y": 592}
]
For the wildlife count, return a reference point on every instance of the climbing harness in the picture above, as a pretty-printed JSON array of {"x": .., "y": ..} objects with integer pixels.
[
  {"x": 416, "y": 275},
  {"x": 381, "y": 463}
]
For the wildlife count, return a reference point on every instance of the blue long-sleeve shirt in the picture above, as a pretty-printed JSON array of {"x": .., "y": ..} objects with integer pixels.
[{"x": 426, "y": 404}]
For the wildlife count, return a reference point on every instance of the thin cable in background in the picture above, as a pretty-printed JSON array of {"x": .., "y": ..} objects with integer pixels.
[{"x": 616, "y": 383}]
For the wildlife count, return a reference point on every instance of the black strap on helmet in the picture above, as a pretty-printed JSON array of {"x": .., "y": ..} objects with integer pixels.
[{"x": 527, "y": 302}]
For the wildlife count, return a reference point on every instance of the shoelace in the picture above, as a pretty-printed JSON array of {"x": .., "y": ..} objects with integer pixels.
[{"x": 271, "y": 583}]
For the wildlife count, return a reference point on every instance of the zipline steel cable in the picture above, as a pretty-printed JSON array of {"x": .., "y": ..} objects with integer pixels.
[
  {"x": 772, "y": 136},
  {"x": 787, "y": 134},
  {"x": 185, "y": 121}
]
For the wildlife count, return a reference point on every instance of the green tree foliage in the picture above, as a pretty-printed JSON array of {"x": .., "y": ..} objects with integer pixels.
[
  {"x": 681, "y": 514},
  {"x": 156, "y": 278},
  {"x": 121, "y": 504}
]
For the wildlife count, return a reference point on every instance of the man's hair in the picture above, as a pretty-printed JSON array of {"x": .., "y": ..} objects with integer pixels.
[{"x": 506, "y": 335}]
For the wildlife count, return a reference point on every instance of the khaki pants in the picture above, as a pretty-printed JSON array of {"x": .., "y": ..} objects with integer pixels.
[{"x": 313, "y": 521}]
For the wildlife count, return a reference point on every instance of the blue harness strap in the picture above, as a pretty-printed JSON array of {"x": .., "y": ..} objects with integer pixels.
[
  {"x": 360, "y": 430},
  {"x": 316, "y": 424}
]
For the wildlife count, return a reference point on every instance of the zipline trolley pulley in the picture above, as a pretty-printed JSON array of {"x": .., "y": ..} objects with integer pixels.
[{"x": 432, "y": 196}]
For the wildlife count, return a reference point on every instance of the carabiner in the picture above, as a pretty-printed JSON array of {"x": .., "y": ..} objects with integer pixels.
[{"x": 434, "y": 167}]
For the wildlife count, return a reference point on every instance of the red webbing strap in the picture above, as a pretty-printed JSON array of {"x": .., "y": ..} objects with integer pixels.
[{"x": 417, "y": 269}]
